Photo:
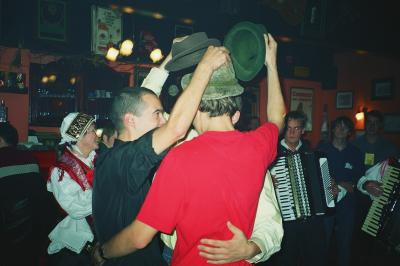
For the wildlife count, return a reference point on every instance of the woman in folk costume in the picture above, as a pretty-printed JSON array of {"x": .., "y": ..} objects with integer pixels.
[{"x": 70, "y": 181}]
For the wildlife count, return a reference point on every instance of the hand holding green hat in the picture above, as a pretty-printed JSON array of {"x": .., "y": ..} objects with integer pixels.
[{"x": 246, "y": 43}]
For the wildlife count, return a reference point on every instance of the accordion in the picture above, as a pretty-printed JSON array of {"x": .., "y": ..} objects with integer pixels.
[
  {"x": 383, "y": 218},
  {"x": 304, "y": 185}
]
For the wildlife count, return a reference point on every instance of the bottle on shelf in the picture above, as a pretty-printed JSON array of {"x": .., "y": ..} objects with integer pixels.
[
  {"x": 325, "y": 124},
  {"x": 3, "y": 111}
]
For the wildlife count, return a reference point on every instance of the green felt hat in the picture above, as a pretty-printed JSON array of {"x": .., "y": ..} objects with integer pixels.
[
  {"x": 246, "y": 44},
  {"x": 222, "y": 83}
]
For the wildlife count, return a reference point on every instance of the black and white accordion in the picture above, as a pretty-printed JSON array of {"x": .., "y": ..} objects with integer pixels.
[
  {"x": 383, "y": 218},
  {"x": 304, "y": 185}
]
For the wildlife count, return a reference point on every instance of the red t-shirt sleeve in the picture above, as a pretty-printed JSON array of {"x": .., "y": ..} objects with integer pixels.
[
  {"x": 267, "y": 138},
  {"x": 163, "y": 205}
]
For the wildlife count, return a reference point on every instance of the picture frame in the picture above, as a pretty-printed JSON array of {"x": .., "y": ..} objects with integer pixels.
[
  {"x": 302, "y": 99},
  {"x": 391, "y": 123},
  {"x": 344, "y": 100},
  {"x": 382, "y": 89},
  {"x": 52, "y": 20},
  {"x": 107, "y": 28}
]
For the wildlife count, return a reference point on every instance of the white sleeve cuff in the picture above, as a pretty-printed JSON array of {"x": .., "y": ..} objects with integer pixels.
[{"x": 155, "y": 80}]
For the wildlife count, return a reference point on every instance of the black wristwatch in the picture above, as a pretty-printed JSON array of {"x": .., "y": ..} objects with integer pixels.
[{"x": 101, "y": 253}]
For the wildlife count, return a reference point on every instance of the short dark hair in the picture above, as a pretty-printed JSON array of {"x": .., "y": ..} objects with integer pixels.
[
  {"x": 374, "y": 113},
  {"x": 296, "y": 115},
  {"x": 128, "y": 100},
  {"x": 9, "y": 134},
  {"x": 218, "y": 107},
  {"x": 345, "y": 120},
  {"x": 108, "y": 128}
]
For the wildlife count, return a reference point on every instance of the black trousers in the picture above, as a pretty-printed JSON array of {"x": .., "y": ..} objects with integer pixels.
[
  {"x": 303, "y": 243},
  {"x": 66, "y": 257}
]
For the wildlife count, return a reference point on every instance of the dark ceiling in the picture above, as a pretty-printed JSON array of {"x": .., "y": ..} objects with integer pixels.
[
  {"x": 334, "y": 24},
  {"x": 354, "y": 24}
]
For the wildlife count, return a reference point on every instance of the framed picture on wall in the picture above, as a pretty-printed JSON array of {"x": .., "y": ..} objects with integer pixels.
[
  {"x": 52, "y": 24},
  {"x": 302, "y": 99},
  {"x": 391, "y": 123},
  {"x": 344, "y": 100},
  {"x": 382, "y": 89}
]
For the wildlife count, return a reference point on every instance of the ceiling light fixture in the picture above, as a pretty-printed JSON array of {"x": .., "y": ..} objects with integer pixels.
[
  {"x": 112, "y": 54},
  {"x": 126, "y": 47},
  {"x": 156, "y": 55}
]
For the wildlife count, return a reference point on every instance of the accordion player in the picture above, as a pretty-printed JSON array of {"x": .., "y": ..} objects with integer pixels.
[
  {"x": 304, "y": 185},
  {"x": 383, "y": 218}
]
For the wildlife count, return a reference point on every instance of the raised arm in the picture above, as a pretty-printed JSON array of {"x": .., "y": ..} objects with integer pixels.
[
  {"x": 158, "y": 75},
  {"x": 275, "y": 105},
  {"x": 187, "y": 104}
]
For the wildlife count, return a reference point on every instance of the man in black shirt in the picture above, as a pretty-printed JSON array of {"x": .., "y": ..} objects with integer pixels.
[{"x": 122, "y": 174}]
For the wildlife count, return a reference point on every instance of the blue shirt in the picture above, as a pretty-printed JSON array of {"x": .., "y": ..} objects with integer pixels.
[{"x": 345, "y": 165}]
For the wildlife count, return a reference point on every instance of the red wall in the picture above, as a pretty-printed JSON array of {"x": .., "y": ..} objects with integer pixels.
[
  {"x": 18, "y": 104},
  {"x": 355, "y": 73}
]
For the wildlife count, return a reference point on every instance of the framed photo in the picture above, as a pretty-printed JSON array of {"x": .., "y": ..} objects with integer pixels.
[
  {"x": 52, "y": 24},
  {"x": 391, "y": 123},
  {"x": 382, "y": 89},
  {"x": 106, "y": 28},
  {"x": 344, "y": 100},
  {"x": 302, "y": 99}
]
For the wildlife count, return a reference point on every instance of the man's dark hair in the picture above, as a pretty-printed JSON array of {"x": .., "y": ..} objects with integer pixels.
[
  {"x": 345, "y": 120},
  {"x": 108, "y": 128},
  {"x": 128, "y": 100},
  {"x": 9, "y": 134},
  {"x": 374, "y": 113},
  {"x": 218, "y": 107},
  {"x": 296, "y": 115}
]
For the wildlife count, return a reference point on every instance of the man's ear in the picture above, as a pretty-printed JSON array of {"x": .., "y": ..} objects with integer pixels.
[
  {"x": 3, "y": 143},
  {"x": 235, "y": 117},
  {"x": 129, "y": 120}
]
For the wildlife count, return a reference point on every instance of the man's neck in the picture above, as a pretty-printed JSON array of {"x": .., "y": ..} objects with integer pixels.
[
  {"x": 128, "y": 136},
  {"x": 339, "y": 144},
  {"x": 292, "y": 146},
  {"x": 219, "y": 123},
  {"x": 371, "y": 138}
]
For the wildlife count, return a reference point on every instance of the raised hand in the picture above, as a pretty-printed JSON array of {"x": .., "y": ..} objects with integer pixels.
[
  {"x": 215, "y": 57},
  {"x": 271, "y": 48}
]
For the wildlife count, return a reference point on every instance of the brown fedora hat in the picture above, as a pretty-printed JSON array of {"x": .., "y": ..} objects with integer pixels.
[{"x": 188, "y": 52}]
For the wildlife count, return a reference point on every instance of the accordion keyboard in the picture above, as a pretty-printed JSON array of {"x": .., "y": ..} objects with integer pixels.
[{"x": 381, "y": 206}]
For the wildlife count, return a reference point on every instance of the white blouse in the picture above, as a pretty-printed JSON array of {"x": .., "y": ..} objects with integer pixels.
[{"x": 73, "y": 231}]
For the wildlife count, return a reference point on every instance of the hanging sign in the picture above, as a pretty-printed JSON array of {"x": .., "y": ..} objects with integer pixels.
[{"x": 106, "y": 28}]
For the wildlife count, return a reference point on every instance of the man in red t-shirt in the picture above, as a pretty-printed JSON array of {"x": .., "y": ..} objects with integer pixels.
[{"x": 214, "y": 179}]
